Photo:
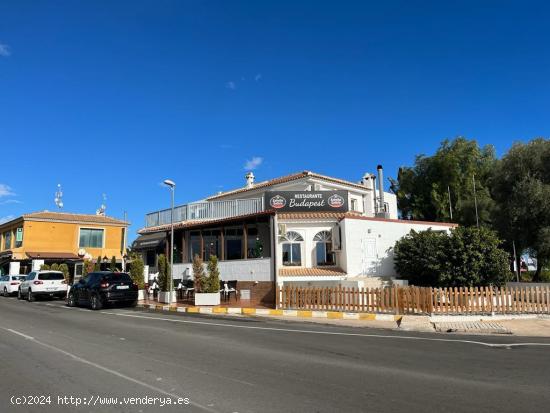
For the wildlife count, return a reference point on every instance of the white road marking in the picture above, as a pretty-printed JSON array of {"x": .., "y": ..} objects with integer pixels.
[
  {"x": 107, "y": 370},
  {"x": 19, "y": 334},
  {"x": 332, "y": 333}
]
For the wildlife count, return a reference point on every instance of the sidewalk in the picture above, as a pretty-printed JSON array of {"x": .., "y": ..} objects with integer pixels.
[{"x": 529, "y": 326}]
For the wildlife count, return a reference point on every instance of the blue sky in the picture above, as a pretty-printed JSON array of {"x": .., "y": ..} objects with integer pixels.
[{"x": 113, "y": 97}]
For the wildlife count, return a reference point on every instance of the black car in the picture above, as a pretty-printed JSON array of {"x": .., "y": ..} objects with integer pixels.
[{"x": 101, "y": 288}]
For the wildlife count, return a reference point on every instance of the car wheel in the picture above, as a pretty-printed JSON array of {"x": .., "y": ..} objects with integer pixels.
[
  {"x": 19, "y": 295},
  {"x": 71, "y": 302},
  {"x": 30, "y": 296},
  {"x": 95, "y": 302},
  {"x": 6, "y": 292}
]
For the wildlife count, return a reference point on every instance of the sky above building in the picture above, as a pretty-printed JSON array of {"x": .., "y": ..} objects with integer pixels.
[{"x": 114, "y": 97}]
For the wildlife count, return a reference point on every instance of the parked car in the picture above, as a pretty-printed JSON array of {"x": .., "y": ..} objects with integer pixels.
[
  {"x": 44, "y": 283},
  {"x": 9, "y": 284},
  {"x": 101, "y": 288}
]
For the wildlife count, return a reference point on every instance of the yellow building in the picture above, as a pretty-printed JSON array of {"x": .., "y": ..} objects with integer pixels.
[{"x": 47, "y": 237}]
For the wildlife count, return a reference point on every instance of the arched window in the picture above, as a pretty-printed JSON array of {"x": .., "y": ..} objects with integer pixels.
[
  {"x": 292, "y": 249},
  {"x": 323, "y": 248}
]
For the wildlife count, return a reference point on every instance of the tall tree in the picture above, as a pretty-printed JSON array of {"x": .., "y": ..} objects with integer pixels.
[
  {"x": 423, "y": 190},
  {"x": 521, "y": 189}
]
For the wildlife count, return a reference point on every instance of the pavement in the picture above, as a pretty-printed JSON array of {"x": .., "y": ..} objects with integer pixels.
[{"x": 255, "y": 364}]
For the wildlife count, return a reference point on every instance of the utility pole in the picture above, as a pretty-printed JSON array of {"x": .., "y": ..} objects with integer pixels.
[
  {"x": 450, "y": 202},
  {"x": 475, "y": 199}
]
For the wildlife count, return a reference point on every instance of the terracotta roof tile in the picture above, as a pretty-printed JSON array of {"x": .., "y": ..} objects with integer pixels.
[
  {"x": 53, "y": 255},
  {"x": 300, "y": 271},
  {"x": 287, "y": 178},
  {"x": 69, "y": 217},
  {"x": 314, "y": 215}
]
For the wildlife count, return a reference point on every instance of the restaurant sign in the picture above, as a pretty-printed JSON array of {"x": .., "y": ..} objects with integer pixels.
[{"x": 300, "y": 201}]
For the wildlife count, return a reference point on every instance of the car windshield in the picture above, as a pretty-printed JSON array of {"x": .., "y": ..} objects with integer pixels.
[
  {"x": 117, "y": 277},
  {"x": 49, "y": 276}
]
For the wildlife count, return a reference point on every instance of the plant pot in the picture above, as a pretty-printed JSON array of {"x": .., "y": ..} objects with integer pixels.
[
  {"x": 164, "y": 297},
  {"x": 141, "y": 294},
  {"x": 207, "y": 298}
]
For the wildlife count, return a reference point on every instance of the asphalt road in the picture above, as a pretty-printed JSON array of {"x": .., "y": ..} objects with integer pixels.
[{"x": 238, "y": 364}]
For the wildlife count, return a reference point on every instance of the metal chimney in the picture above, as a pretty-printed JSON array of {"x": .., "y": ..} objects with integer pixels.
[
  {"x": 381, "y": 207},
  {"x": 249, "y": 179}
]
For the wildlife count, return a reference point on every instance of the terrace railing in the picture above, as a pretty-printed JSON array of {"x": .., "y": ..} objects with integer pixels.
[{"x": 206, "y": 210}]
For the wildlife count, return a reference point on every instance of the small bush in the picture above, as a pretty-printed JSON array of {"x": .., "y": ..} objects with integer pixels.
[
  {"x": 44, "y": 267},
  {"x": 164, "y": 273},
  {"x": 64, "y": 268},
  {"x": 113, "y": 264},
  {"x": 213, "y": 279},
  {"x": 198, "y": 274},
  {"x": 55, "y": 267},
  {"x": 136, "y": 271}
]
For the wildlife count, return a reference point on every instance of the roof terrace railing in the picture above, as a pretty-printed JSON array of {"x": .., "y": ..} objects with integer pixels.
[{"x": 206, "y": 210}]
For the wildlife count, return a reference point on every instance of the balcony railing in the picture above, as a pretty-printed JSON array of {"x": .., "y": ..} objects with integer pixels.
[{"x": 206, "y": 210}]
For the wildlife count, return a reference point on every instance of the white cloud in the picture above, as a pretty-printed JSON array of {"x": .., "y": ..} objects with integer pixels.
[
  {"x": 4, "y": 50},
  {"x": 10, "y": 201},
  {"x": 253, "y": 163},
  {"x": 258, "y": 77},
  {"x": 231, "y": 85},
  {"x": 6, "y": 218},
  {"x": 5, "y": 190}
]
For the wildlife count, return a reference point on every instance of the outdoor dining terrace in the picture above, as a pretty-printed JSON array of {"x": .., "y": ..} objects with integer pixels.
[{"x": 205, "y": 211}]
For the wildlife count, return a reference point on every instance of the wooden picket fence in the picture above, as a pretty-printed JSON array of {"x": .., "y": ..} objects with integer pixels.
[{"x": 418, "y": 300}]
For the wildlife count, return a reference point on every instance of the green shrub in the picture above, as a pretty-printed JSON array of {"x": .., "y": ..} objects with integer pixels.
[
  {"x": 213, "y": 279},
  {"x": 64, "y": 268},
  {"x": 198, "y": 274},
  {"x": 54, "y": 267},
  {"x": 97, "y": 265},
  {"x": 465, "y": 257},
  {"x": 44, "y": 267},
  {"x": 113, "y": 264},
  {"x": 136, "y": 271},
  {"x": 164, "y": 273}
]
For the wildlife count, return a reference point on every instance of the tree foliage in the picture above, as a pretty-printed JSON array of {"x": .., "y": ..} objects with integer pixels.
[
  {"x": 423, "y": 190},
  {"x": 465, "y": 257},
  {"x": 521, "y": 189},
  {"x": 64, "y": 268}
]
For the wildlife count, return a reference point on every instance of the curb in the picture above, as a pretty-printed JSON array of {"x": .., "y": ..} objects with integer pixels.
[{"x": 333, "y": 315}]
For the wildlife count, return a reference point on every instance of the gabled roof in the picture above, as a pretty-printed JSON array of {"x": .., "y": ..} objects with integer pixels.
[
  {"x": 288, "y": 178},
  {"x": 74, "y": 218}
]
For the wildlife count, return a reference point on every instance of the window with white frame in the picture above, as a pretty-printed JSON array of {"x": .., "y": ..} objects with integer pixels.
[
  {"x": 292, "y": 249},
  {"x": 91, "y": 238},
  {"x": 323, "y": 248},
  {"x": 354, "y": 204}
]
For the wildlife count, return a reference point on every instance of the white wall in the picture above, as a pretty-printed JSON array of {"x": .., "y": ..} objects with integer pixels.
[
  {"x": 258, "y": 269},
  {"x": 367, "y": 245}
]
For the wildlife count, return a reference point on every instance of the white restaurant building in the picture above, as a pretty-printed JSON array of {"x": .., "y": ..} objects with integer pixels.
[{"x": 304, "y": 228}]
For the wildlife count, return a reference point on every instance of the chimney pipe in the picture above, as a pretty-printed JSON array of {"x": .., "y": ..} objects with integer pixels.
[
  {"x": 249, "y": 179},
  {"x": 381, "y": 210}
]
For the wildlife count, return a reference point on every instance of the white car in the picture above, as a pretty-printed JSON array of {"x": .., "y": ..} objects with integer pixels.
[
  {"x": 44, "y": 283},
  {"x": 9, "y": 284}
]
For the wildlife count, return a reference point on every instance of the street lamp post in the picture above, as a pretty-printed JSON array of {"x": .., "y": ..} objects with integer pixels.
[{"x": 172, "y": 185}]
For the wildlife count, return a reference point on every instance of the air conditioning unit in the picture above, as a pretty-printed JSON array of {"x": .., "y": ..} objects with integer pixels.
[{"x": 282, "y": 230}]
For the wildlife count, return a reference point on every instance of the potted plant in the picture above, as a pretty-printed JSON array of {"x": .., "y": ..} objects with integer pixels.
[
  {"x": 208, "y": 292},
  {"x": 136, "y": 273},
  {"x": 164, "y": 281}
]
